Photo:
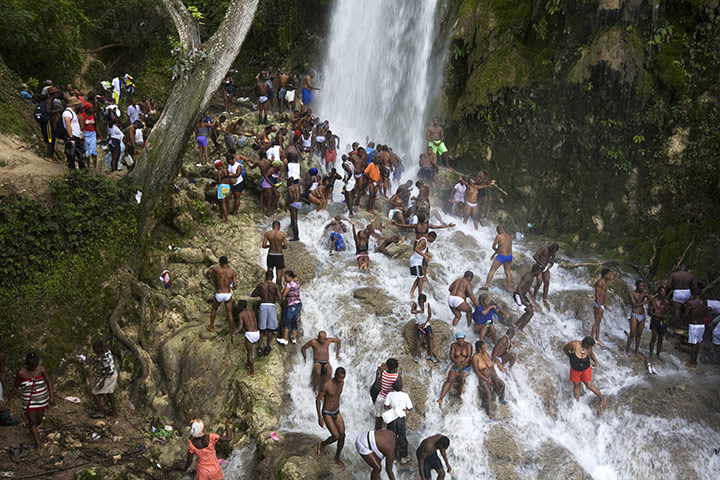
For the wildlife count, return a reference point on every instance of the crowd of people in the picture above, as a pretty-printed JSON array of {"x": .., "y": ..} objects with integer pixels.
[
  {"x": 365, "y": 172},
  {"x": 111, "y": 124}
]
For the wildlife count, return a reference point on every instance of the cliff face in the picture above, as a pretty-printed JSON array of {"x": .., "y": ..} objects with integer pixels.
[{"x": 599, "y": 118}]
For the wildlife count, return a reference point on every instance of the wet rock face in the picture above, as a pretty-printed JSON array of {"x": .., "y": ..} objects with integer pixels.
[
  {"x": 295, "y": 457},
  {"x": 504, "y": 456},
  {"x": 555, "y": 461},
  {"x": 374, "y": 300}
]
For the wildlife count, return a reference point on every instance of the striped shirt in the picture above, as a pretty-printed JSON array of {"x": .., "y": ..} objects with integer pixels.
[
  {"x": 35, "y": 393},
  {"x": 386, "y": 383}
]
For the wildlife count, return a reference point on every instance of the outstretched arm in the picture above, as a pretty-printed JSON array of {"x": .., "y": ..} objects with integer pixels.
[{"x": 337, "y": 349}]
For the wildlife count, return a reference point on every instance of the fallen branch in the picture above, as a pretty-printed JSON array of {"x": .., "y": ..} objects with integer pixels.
[
  {"x": 501, "y": 190},
  {"x": 110, "y": 45},
  {"x": 682, "y": 257},
  {"x": 23, "y": 147},
  {"x": 120, "y": 309},
  {"x": 711, "y": 285}
]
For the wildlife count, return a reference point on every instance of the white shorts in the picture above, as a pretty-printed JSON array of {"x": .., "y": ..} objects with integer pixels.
[
  {"x": 223, "y": 297},
  {"x": 252, "y": 337},
  {"x": 695, "y": 333},
  {"x": 681, "y": 296},
  {"x": 379, "y": 406},
  {"x": 365, "y": 444},
  {"x": 290, "y": 95},
  {"x": 715, "y": 335},
  {"x": 454, "y": 301}
]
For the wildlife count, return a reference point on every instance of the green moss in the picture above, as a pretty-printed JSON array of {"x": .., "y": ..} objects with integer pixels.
[
  {"x": 543, "y": 66},
  {"x": 514, "y": 15},
  {"x": 669, "y": 65}
]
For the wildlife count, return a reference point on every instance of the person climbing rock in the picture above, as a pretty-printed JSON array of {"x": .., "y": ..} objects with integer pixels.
[
  {"x": 321, "y": 356},
  {"x": 269, "y": 293},
  {"x": 327, "y": 404},
  {"x": 247, "y": 322},
  {"x": 202, "y": 446},
  {"x": 580, "y": 352},
  {"x": 225, "y": 280}
]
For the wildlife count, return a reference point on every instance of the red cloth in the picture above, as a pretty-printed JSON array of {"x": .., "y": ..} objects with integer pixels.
[
  {"x": 584, "y": 376},
  {"x": 90, "y": 121},
  {"x": 208, "y": 467}
]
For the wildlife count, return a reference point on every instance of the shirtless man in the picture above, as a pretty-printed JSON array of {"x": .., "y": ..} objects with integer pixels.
[
  {"x": 435, "y": 136},
  {"x": 484, "y": 368},
  {"x": 262, "y": 89},
  {"x": 327, "y": 404},
  {"x": 580, "y": 353},
  {"x": 658, "y": 309},
  {"x": 275, "y": 241},
  {"x": 321, "y": 356},
  {"x": 680, "y": 283},
  {"x": 501, "y": 353},
  {"x": 502, "y": 248},
  {"x": 460, "y": 353},
  {"x": 599, "y": 308},
  {"x": 696, "y": 310},
  {"x": 282, "y": 91},
  {"x": 385, "y": 163},
  {"x": 382, "y": 247},
  {"x": 225, "y": 280},
  {"x": 307, "y": 91},
  {"x": 247, "y": 322},
  {"x": 460, "y": 290},
  {"x": 428, "y": 460},
  {"x": 337, "y": 228},
  {"x": 293, "y": 206},
  {"x": 638, "y": 300},
  {"x": 545, "y": 257},
  {"x": 521, "y": 298},
  {"x": 373, "y": 446},
  {"x": 471, "y": 199},
  {"x": 269, "y": 293},
  {"x": 428, "y": 167}
]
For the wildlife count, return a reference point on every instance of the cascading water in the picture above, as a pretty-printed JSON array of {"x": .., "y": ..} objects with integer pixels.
[
  {"x": 375, "y": 83},
  {"x": 375, "y": 80}
]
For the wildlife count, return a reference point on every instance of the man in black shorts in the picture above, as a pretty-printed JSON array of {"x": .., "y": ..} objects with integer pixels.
[
  {"x": 275, "y": 241},
  {"x": 428, "y": 459}
]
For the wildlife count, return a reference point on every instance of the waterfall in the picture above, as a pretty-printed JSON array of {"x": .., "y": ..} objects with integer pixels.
[{"x": 376, "y": 77}]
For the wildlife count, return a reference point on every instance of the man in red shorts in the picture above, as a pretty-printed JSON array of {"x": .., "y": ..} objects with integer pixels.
[{"x": 580, "y": 353}]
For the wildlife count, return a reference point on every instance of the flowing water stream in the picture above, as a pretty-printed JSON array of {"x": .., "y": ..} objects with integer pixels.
[{"x": 375, "y": 82}]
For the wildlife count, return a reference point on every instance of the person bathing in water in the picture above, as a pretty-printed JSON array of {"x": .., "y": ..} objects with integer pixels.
[
  {"x": 321, "y": 355},
  {"x": 502, "y": 248},
  {"x": 337, "y": 228},
  {"x": 327, "y": 404},
  {"x": 638, "y": 300},
  {"x": 225, "y": 280},
  {"x": 361, "y": 248},
  {"x": 460, "y": 290},
  {"x": 545, "y": 257},
  {"x": 460, "y": 353},
  {"x": 580, "y": 353},
  {"x": 423, "y": 314},
  {"x": 599, "y": 307}
]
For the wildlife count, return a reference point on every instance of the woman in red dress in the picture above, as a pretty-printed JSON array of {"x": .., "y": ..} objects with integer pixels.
[{"x": 203, "y": 445}]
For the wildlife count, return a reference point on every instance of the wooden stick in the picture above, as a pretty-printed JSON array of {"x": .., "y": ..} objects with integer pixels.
[
  {"x": 503, "y": 191},
  {"x": 711, "y": 285}
]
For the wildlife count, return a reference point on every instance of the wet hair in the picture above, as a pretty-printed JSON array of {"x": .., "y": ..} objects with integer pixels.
[
  {"x": 482, "y": 299},
  {"x": 269, "y": 275},
  {"x": 537, "y": 268},
  {"x": 344, "y": 157},
  {"x": 511, "y": 331},
  {"x": 229, "y": 156},
  {"x": 443, "y": 442},
  {"x": 588, "y": 342},
  {"x": 432, "y": 235},
  {"x": 682, "y": 267},
  {"x": 392, "y": 364},
  {"x": 98, "y": 344},
  {"x": 276, "y": 222},
  {"x": 468, "y": 274},
  {"x": 638, "y": 282},
  {"x": 242, "y": 303},
  {"x": 290, "y": 273},
  {"x": 223, "y": 260},
  {"x": 422, "y": 298},
  {"x": 478, "y": 345},
  {"x": 554, "y": 247},
  {"x": 397, "y": 385},
  {"x": 222, "y": 118},
  {"x": 604, "y": 272},
  {"x": 421, "y": 218},
  {"x": 339, "y": 371},
  {"x": 657, "y": 291},
  {"x": 32, "y": 360}
]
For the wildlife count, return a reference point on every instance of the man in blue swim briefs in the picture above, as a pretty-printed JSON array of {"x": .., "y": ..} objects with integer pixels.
[
  {"x": 460, "y": 353},
  {"x": 307, "y": 91},
  {"x": 337, "y": 228},
  {"x": 435, "y": 136},
  {"x": 502, "y": 246}
]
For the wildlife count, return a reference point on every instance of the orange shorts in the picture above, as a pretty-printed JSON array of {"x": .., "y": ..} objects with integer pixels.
[{"x": 584, "y": 376}]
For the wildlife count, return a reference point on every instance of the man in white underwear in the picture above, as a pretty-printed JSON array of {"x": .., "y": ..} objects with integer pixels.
[
  {"x": 247, "y": 322},
  {"x": 696, "y": 309},
  {"x": 460, "y": 290},
  {"x": 680, "y": 282},
  {"x": 373, "y": 446},
  {"x": 225, "y": 280}
]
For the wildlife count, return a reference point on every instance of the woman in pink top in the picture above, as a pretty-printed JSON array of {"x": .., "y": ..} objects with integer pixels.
[
  {"x": 290, "y": 316},
  {"x": 203, "y": 445}
]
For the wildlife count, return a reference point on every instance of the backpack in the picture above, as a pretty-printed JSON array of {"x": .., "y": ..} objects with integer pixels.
[{"x": 40, "y": 113}]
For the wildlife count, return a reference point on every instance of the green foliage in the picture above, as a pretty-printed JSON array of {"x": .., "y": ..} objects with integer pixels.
[
  {"x": 669, "y": 65},
  {"x": 514, "y": 15},
  {"x": 85, "y": 209},
  {"x": 40, "y": 39}
]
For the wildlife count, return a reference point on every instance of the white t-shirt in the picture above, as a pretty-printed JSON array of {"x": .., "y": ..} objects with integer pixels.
[
  {"x": 459, "y": 193},
  {"x": 74, "y": 123},
  {"x": 273, "y": 153},
  {"x": 133, "y": 112},
  {"x": 399, "y": 401},
  {"x": 139, "y": 139},
  {"x": 116, "y": 85},
  {"x": 234, "y": 169},
  {"x": 293, "y": 170},
  {"x": 115, "y": 132}
]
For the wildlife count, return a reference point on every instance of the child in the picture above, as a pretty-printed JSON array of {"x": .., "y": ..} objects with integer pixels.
[{"x": 108, "y": 380}]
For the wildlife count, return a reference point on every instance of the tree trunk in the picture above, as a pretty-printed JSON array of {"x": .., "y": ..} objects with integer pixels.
[{"x": 162, "y": 157}]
